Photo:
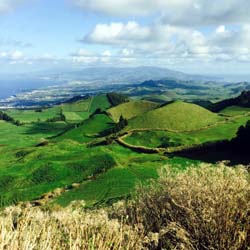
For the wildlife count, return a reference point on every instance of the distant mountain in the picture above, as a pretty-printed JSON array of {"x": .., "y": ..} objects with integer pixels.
[
  {"x": 148, "y": 83},
  {"x": 172, "y": 84},
  {"x": 133, "y": 74}
]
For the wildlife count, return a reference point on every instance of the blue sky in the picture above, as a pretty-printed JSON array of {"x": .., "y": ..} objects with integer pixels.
[{"x": 193, "y": 35}]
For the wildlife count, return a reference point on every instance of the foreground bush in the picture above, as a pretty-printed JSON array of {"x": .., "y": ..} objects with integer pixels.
[
  {"x": 34, "y": 229},
  {"x": 204, "y": 207}
]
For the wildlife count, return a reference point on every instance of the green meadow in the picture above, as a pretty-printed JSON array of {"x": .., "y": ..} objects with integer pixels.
[
  {"x": 28, "y": 116},
  {"x": 43, "y": 155}
]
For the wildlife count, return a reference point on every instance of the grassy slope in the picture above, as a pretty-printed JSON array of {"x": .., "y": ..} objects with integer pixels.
[
  {"x": 235, "y": 110},
  {"x": 89, "y": 130},
  {"x": 29, "y": 116},
  {"x": 156, "y": 138},
  {"x": 79, "y": 106},
  {"x": 178, "y": 116},
  {"x": 132, "y": 168},
  {"x": 12, "y": 136},
  {"x": 131, "y": 109},
  {"x": 78, "y": 111},
  {"x": 46, "y": 168},
  {"x": 42, "y": 169},
  {"x": 100, "y": 101},
  {"x": 74, "y": 112}
]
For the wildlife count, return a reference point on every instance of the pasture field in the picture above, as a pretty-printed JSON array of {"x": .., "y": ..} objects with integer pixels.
[
  {"x": 235, "y": 110},
  {"x": 40, "y": 157},
  {"x": 79, "y": 106},
  {"x": 28, "y": 116},
  {"x": 28, "y": 135},
  {"x": 77, "y": 111}
]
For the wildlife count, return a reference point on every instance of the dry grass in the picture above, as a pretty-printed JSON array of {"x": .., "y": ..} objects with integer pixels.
[
  {"x": 30, "y": 229},
  {"x": 201, "y": 208}
]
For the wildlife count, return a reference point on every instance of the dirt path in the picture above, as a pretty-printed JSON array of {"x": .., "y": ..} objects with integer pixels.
[
  {"x": 143, "y": 149},
  {"x": 90, "y": 103}
]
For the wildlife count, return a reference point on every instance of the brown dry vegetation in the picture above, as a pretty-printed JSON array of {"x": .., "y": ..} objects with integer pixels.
[
  {"x": 35, "y": 229},
  {"x": 205, "y": 207}
]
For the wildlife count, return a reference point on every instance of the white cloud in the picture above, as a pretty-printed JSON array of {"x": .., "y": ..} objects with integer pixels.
[
  {"x": 106, "y": 53},
  {"x": 83, "y": 56},
  {"x": 8, "y": 5},
  {"x": 6, "y": 42},
  {"x": 203, "y": 12},
  {"x": 118, "y": 7},
  {"x": 176, "y": 12},
  {"x": 221, "y": 29},
  {"x": 127, "y": 52},
  {"x": 173, "y": 42},
  {"x": 117, "y": 32},
  {"x": 12, "y": 56},
  {"x": 18, "y": 57},
  {"x": 134, "y": 38}
]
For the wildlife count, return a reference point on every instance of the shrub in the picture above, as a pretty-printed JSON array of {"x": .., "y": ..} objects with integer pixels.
[
  {"x": 32, "y": 228},
  {"x": 60, "y": 117},
  {"x": 202, "y": 208},
  {"x": 6, "y": 117}
]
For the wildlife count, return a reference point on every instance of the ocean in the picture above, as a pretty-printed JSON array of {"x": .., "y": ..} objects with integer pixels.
[{"x": 9, "y": 87}]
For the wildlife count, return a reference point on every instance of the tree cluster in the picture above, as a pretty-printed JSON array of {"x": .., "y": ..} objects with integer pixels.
[
  {"x": 60, "y": 118},
  {"x": 243, "y": 101},
  {"x": 116, "y": 128},
  {"x": 242, "y": 140},
  {"x": 7, "y": 118}
]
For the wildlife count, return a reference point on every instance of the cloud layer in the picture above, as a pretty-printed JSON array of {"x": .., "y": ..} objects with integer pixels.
[
  {"x": 183, "y": 31},
  {"x": 171, "y": 32},
  {"x": 175, "y": 12},
  {"x": 173, "y": 42},
  {"x": 8, "y": 5}
]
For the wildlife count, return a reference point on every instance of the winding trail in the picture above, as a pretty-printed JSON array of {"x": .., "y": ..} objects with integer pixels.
[{"x": 149, "y": 150}]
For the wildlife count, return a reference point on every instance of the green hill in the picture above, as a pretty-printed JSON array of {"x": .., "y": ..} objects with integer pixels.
[
  {"x": 131, "y": 109},
  {"x": 178, "y": 116}
]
